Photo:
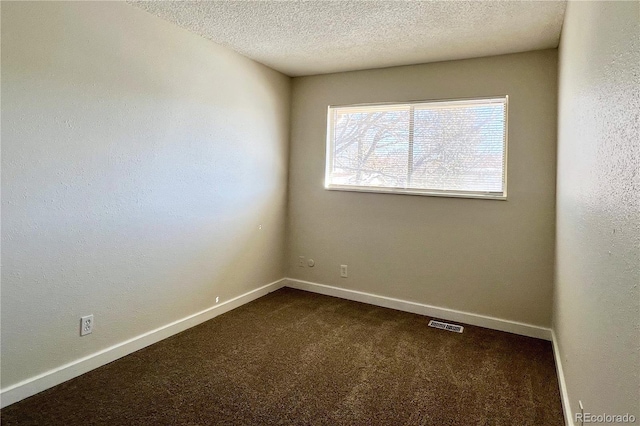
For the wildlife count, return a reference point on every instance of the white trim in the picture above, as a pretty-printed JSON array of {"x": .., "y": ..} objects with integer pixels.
[
  {"x": 498, "y": 99},
  {"x": 564, "y": 394},
  {"x": 48, "y": 379},
  {"x": 422, "y": 309},
  {"x": 421, "y": 192}
]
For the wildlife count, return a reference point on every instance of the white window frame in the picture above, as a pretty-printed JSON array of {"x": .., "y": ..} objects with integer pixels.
[{"x": 424, "y": 192}]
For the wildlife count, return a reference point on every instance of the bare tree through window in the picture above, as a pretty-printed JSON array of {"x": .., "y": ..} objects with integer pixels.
[{"x": 436, "y": 146}]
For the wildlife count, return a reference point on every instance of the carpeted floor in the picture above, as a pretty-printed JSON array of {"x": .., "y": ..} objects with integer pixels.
[{"x": 299, "y": 358}]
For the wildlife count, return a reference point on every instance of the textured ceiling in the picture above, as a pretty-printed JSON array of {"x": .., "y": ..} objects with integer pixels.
[{"x": 315, "y": 37}]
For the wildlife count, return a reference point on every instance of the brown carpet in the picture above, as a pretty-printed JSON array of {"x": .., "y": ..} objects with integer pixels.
[{"x": 299, "y": 358}]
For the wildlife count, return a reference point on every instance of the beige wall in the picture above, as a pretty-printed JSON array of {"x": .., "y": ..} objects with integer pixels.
[
  {"x": 597, "y": 299},
  {"x": 138, "y": 161},
  {"x": 482, "y": 256}
]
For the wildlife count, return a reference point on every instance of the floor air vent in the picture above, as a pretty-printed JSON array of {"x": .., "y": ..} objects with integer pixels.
[{"x": 445, "y": 326}]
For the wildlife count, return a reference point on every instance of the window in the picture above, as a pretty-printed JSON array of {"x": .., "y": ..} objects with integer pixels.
[{"x": 452, "y": 148}]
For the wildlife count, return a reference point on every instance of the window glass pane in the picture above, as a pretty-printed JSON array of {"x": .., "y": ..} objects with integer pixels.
[
  {"x": 371, "y": 147},
  {"x": 458, "y": 148}
]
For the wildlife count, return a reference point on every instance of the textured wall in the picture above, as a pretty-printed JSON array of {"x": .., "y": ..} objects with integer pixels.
[
  {"x": 482, "y": 256},
  {"x": 138, "y": 161},
  {"x": 597, "y": 300}
]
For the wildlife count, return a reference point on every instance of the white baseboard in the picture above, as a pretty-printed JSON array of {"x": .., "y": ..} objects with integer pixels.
[
  {"x": 564, "y": 394},
  {"x": 422, "y": 309},
  {"x": 48, "y": 379}
]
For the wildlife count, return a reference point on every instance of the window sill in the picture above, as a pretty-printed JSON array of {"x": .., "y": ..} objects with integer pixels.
[{"x": 427, "y": 193}]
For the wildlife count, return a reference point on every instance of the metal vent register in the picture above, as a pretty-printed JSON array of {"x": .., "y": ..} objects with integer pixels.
[{"x": 446, "y": 326}]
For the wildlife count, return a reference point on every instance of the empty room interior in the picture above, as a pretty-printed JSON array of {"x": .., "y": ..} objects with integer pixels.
[{"x": 320, "y": 212}]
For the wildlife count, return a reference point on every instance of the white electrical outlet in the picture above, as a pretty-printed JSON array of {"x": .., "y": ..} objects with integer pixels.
[
  {"x": 86, "y": 325},
  {"x": 217, "y": 299},
  {"x": 343, "y": 271},
  {"x": 301, "y": 261}
]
